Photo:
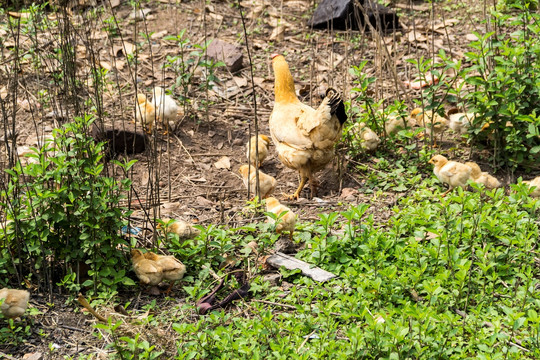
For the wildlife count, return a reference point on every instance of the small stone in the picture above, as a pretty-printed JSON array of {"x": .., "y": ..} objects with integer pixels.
[
  {"x": 285, "y": 246},
  {"x": 230, "y": 54},
  {"x": 273, "y": 279}
]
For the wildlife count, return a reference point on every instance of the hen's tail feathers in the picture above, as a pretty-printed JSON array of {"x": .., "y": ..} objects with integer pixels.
[{"x": 336, "y": 105}]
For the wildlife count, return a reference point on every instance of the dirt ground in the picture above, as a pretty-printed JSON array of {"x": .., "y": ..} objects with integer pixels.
[{"x": 179, "y": 172}]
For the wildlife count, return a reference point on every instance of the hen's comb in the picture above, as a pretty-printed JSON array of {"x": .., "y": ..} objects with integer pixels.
[{"x": 273, "y": 56}]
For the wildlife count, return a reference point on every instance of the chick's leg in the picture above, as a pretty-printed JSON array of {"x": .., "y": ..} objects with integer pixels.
[
  {"x": 446, "y": 192},
  {"x": 168, "y": 291}
]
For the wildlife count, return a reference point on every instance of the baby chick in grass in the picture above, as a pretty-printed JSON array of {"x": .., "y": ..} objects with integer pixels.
[
  {"x": 172, "y": 268},
  {"x": 479, "y": 177},
  {"x": 148, "y": 271},
  {"x": 145, "y": 113},
  {"x": 369, "y": 141},
  {"x": 183, "y": 229},
  {"x": 534, "y": 182},
  {"x": 267, "y": 183},
  {"x": 166, "y": 108},
  {"x": 460, "y": 122},
  {"x": 452, "y": 173},
  {"x": 430, "y": 121},
  {"x": 287, "y": 222},
  {"x": 262, "y": 147},
  {"x": 14, "y": 302},
  {"x": 396, "y": 123}
]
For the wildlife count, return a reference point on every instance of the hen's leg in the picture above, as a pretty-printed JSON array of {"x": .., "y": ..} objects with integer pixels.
[
  {"x": 313, "y": 185},
  {"x": 296, "y": 195},
  {"x": 446, "y": 192}
]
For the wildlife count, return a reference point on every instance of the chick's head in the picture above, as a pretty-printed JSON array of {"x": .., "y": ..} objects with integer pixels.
[
  {"x": 244, "y": 170},
  {"x": 271, "y": 202},
  {"x": 136, "y": 254},
  {"x": 151, "y": 256},
  {"x": 141, "y": 98},
  {"x": 438, "y": 160},
  {"x": 265, "y": 139}
]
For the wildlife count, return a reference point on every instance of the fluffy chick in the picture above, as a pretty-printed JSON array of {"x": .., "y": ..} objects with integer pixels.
[
  {"x": 145, "y": 113},
  {"x": 287, "y": 222},
  {"x": 262, "y": 147},
  {"x": 166, "y": 107},
  {"x": 452, "y": 173},
  {"x": 368, "y": 138},
  {"x": 148, "y": 271},
  {"x": 460, "y": 122},
  {"x": 479, "y": 177},
  {"x": 534, "y": 182},
  {"x": 15, "y": 302},
  {"x": 172, "y": 268},
  {"x": 396, "y": 123},
  {"x": 430, "y": 121},
  {"x": 182, "y": 229},
  {"x": 267, "y": 183}
]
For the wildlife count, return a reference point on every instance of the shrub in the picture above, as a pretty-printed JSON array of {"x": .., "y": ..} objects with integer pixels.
[
  {"x": 64, "y": 215},
  {"x": 506, "y": 77}
]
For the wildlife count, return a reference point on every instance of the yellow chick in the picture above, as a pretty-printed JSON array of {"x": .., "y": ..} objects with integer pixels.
[
  {"x": 172, "y": 268},
  {"x": 145, "y": 113},
  {"x": 267, "y": 183},
  {"x": 452, "y": 173},
  {"x": 165, "y": 107},
  {"x": 287, "y": 222},
  {"x": 182, "y": 229},
  {"x": 14, "y": 302},
  {"x": 460, "y": 122},
  {"x": 534, "y": 182},
  {"x": 396, "y": 123},
  {"x": 489, "y": 181},
  {"x": 430, "y": 121},
  {"x": 148, "y": 271},
  {"x": 368, "y": 138},
  {"x": 262, "y": 147}
]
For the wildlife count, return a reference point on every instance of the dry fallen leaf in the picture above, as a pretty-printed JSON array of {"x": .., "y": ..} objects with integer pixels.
[
  {"x": 471, "y": 37},
  {"x": 3, "y": 92},
  {"x": 278, "y": 33},
  {"x": 449, "y": 22},
  {"x": 240, "y": 81},
  {"x": 223, "y": 163},
  {"x": 19, "y": 15},
  {"x": 115, "y": 3},
  {"x": 416, "y": 37}
]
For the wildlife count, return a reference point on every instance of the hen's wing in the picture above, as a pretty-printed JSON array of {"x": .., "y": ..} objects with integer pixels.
[{"x": 284, "y": 127}]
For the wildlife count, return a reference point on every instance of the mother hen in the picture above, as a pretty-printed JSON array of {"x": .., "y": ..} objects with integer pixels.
[{"x": 304, "y": 137}]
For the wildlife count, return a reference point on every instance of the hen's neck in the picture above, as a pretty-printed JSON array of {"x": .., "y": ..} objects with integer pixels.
[{"x": 284, "y": 84}]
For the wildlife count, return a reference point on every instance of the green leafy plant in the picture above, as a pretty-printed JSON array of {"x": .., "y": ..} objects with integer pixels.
[
  {"x": 506, "y": 75},
  {"x": 65, "y": 214}
]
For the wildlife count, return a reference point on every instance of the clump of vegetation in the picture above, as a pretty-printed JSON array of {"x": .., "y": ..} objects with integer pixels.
[
  {"x": 506, "y": 75},
  {"x": 64, "y": 216}
]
